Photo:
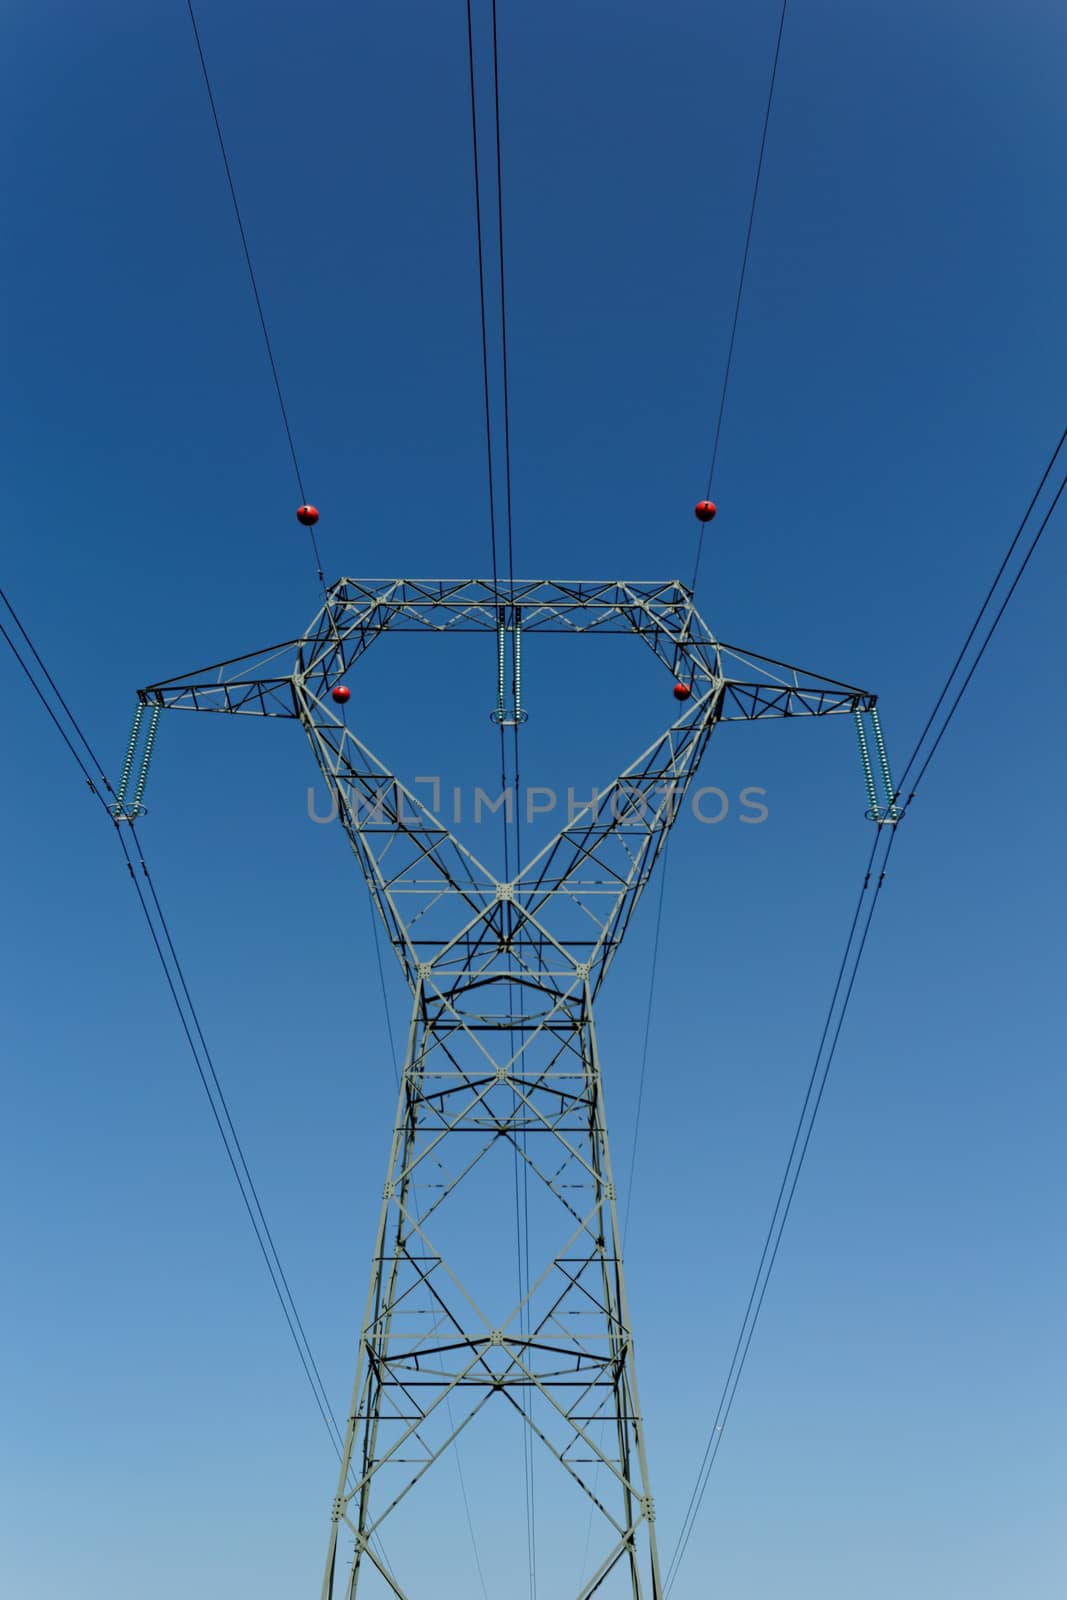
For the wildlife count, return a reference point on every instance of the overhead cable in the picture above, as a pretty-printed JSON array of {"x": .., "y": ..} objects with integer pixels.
[
  {"x": 728, "y": 368},
  {"x": 855, "y": 944},
  {"x": 246, "y": 248},
  {"x": 163, "y": 942}
]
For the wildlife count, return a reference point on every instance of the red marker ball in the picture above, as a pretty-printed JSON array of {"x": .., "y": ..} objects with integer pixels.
[
  {"x": 307, "y": 515},
  {"x": 682, "y": 691},
  {"x": 704, "y": 510},
  {"x": 341, "y": 694}
]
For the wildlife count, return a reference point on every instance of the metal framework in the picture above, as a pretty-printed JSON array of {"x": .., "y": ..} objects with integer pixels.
[{"x": 501, "y": 1056}]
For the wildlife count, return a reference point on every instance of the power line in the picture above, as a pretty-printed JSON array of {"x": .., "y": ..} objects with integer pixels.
[
  {"x": 522, "y": 1216},
  {"x": 481, "y": 296},
  {"x": 875, "y": 871},
  {"x": 253, "y": 281},
  {"x": 190, "y": 1025},
  {"x": 90, "y": 752},
  {"x": 375, "y": 929},
  {"x": 981, "y": 613},
  {"x": 486, "y": 392},
  {"x": 230, "y": 1128},
  {"x": 235, "y": 1154},
  {"x": 727, "y": 370},
  {"x": 283, "y": 409},
  {"x": 741, "y": 281},
  {"x": 55, "y": 720},
  {"x": 974, "y": 665},
  {"x": 315, "y": 549},
  {"x": 375, "y": 932},
  {"x": 820, "y": 1071},
  {"x": 642, "y": 1075},
  {"x": 162, "y": 941},
  {"x": 467, "y": 1503},
  {"x": 523, "y": 1224},
  {"x": 657, "y": 929},
  {"x": 503, "y": 305}
]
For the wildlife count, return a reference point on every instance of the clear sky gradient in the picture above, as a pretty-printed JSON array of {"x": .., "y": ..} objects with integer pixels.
[{"x": 898, "y": 385}]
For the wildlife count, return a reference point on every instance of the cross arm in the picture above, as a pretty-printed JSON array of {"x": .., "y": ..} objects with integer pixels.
[
  {"x": 766, "y": 688},
  {"x": 754, "y": 686},
  {"x": 751, "y": 702},
  {"x": 270, "y": 682},
  {"x": 243, "y": 685}
]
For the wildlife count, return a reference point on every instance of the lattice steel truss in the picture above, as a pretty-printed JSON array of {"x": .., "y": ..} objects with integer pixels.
[{"x": 501, "y": 1056}]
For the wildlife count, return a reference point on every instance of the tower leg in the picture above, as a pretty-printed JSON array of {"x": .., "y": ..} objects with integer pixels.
[{"x": 440, "y": 1344}]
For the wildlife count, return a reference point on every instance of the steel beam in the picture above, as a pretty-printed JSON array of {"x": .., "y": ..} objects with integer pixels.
[{"x": 501, "y": 1057}]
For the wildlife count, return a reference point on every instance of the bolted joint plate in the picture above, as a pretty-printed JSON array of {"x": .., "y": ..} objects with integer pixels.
[{"x": 648, "y": 1509}]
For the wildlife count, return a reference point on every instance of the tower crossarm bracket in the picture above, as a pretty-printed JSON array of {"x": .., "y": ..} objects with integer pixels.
[
  {"x": 755, "y": 686},
  {"x": 243, "y": 685},
  {"x": 754, "y": 702},
  {"x": 758, "y": 687}
]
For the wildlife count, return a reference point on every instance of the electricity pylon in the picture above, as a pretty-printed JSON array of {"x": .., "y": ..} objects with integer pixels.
[{"x": 501, "y": 1055}]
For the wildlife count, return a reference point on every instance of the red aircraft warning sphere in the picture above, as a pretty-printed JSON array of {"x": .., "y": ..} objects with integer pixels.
[
  {"x": 704, "y": 510},
  {"x": 307, "y": 515},
  {"x": 682, "y": 691},
  {"x": 341, "y": 694}
]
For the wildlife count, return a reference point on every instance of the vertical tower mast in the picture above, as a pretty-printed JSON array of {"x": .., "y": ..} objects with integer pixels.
[{"x": 501, "y": 1061}]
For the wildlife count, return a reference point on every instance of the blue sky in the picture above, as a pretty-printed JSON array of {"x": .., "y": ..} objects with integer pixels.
[{"x": 897, "y": 388}]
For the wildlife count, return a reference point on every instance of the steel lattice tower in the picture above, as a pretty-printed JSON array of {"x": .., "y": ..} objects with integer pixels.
[{"x": 501, "y": 1057}]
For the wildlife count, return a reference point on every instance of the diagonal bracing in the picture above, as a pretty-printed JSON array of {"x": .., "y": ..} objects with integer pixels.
[{"x": 501, "y": 1060}]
